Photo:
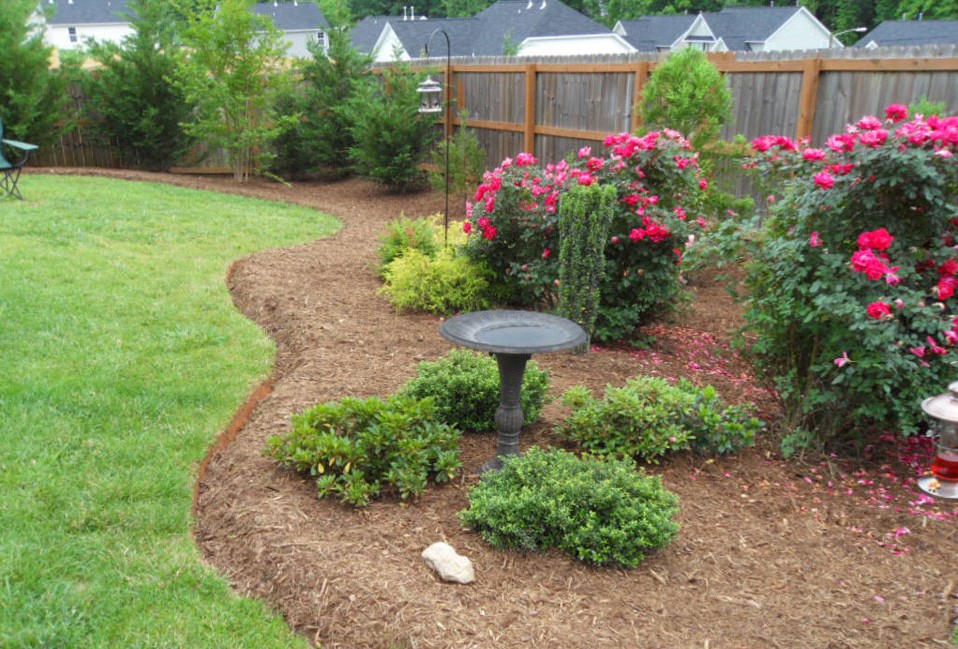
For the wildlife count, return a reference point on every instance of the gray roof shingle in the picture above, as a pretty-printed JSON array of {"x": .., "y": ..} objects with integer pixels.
[
  {"x": 484, "y": 34},
  {"x": 912, "y": 32},
  {"x": 293, "y": 15},
  {"x": 88, "y": 12},
  {"x": 649, "y": 33}
]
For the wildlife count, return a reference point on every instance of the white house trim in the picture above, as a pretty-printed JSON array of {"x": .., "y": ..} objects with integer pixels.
[
  {"x": 802, "y": 13},
  {"x": 566, "y": 45}
]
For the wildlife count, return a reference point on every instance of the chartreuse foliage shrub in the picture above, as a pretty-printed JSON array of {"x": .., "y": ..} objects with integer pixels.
[
  {"x": 852, "y": 292},
  {"x": 649, "y": 417},
  {"x": 443, "y": 284},
  {"x": 404, "y": 234},
  {"x": 514, "y": 228},
  {"x": 356, "y": 448},
  {"x": 601, "y": 511},
  {"x": 585, "y": 214},
  {"x": 420, "y": 275},
  {"x": 465, "y": 388}
]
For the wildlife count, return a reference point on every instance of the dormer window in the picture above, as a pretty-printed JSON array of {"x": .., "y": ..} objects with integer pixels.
[{"x": 72, "y": 31}]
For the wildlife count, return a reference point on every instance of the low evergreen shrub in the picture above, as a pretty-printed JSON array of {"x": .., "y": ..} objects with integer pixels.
[
  {"x": 465, "y": 388},
  {"x": 443, "y": 284},
  {"x": 357, "y": 448},
  {"x": 601, "y": 511},
  {"x": 649, "y": 417}
]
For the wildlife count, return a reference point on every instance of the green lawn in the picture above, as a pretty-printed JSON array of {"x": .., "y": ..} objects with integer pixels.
[{"x": 122, "y": 359}]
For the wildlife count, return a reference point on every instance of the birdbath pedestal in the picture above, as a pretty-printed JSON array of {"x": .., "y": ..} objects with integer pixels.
[{"x": 513, "y": 337}]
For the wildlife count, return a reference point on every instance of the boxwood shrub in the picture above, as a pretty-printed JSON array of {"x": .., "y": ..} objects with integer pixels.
[
  {"x": 465, "y": 387},
  {"x": 601, "y": 511}
]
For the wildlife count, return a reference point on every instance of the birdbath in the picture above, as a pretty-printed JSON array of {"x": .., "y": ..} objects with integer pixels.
[{"x": 513, "y": 336}]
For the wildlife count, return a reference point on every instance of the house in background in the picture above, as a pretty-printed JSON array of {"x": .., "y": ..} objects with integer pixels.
[
  {"x": 901, "y": 33},
  {"x": 522, "y": 27},
  {"x": 73, "y": 22},
  {"x": 733, "y": 29},
  {"x": 302, "y": 22}
]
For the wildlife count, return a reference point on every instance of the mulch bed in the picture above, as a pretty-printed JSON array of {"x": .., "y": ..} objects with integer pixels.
[{"x": 845, "y": 553}]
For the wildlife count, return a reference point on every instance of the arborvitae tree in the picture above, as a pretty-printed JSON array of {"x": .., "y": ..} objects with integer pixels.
[
  {"x": 391, "y": 136},
  {"x": 32, "y": 96},
  {"x": 131, "y": 97},
  {"x": 231, "y": 69},
  {"x": 585, "y": 215},
  {"x": 321, "y": 139},
  {"x": 687, "y": 93}
]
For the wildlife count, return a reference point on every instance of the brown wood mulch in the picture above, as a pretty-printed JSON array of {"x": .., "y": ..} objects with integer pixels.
[{"x": 770, "y": 554}]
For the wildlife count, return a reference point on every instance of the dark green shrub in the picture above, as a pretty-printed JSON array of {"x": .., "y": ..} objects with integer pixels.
[
  {"x": 442, "y": 285},
  {"x": 585, "y": 214},
  {"x": 32, "y": 95},
  {"x": 687, "y": 93},
  {"x": 601, "y": 511},
  {"x": 465, "y": 388},
  {"x": 391, "y": 136},
  {"x": 131, "y": 98},
  {"x": 355, "y": 448},
  {"x": 649, "y": 417},
  {"x": 319, "y": 142},
  {"x": 406, "y": 234}
]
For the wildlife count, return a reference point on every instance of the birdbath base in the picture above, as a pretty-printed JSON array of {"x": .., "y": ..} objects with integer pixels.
[{"x": 513, "y": 336}]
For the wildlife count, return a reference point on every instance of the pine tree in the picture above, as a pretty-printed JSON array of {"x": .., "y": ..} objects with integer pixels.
[{"x": 32, "y": 96}]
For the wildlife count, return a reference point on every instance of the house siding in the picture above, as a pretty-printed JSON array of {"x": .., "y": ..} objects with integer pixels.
[{"x": 800, "y": 32}]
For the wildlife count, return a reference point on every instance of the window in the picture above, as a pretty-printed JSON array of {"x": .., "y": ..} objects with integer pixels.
[{"x": 73, "y": 34}]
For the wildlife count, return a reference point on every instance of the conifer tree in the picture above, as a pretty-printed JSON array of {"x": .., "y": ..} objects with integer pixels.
[{"x": 32, "y": 96}]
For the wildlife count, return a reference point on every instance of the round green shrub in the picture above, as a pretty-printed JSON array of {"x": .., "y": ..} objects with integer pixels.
[
  {"x": 601, "y": 511},
  {"x": 465, "y": 388},
  {"x": 649, "y": 417}
]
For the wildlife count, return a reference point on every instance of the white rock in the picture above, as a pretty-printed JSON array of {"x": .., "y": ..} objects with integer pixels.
[{"x": 450, "y": 565}]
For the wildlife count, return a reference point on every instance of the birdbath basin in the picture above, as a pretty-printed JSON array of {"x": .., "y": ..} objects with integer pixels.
[{"x": 513, "y": 337}]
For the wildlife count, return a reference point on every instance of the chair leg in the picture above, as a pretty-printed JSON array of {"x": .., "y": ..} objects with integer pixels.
[{"x": 9, "y": 183}]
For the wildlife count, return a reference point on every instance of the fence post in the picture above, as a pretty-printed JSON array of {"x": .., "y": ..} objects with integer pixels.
[
  {"x": 529, "y": 134},
  {"x": 641, "y": 76},
  {"x": 811, "y": 73}
]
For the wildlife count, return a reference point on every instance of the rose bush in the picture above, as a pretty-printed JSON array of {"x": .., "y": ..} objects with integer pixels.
[
  {"x": 513, "y": 224},
  {"x": 852, "y": 291}
]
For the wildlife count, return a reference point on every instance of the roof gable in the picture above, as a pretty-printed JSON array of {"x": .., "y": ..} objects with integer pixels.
[
  {"x": 294, "y": 15},
  {"x": 651, "y": 33},
  {"x": 88, "y": 12},
  {"x": 739, "y": 26},
  {"x": 912, "y": 32}
]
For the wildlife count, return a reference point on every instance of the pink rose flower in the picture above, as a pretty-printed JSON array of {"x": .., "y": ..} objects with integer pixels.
[
  {"x": 815, "y": 241},
  {"x": 842, "y": 360},
  {"x": 824, "y": 180},
  {"x": 869, "y": 122},
  {"x": 813, "y": 155},
  {"x": 878, "y": 239},
  {"x": 896, "y": 112},
  {"x": 467, "y": 227},
  {"x": 878, "y": 310}
]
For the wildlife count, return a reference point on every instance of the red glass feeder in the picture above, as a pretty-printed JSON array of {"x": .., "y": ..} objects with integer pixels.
[{"x": 943, "y": 411}]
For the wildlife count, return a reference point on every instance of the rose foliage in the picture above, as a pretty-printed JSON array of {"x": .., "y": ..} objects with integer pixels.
[
  {"x": 853, "y": 291},
  {"x": 513, "y": 224}
]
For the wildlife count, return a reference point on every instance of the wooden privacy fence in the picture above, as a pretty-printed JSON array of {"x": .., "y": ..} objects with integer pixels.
[{"x": 552, "y": 107}]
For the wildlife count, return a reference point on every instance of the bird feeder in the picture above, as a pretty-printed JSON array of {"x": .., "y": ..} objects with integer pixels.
[
  {"x": 430, "y": 96},
  {"x": 943, "y": 412}
]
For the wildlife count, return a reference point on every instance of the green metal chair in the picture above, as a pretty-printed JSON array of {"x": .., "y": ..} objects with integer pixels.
[{"x": 10, "y": 171}]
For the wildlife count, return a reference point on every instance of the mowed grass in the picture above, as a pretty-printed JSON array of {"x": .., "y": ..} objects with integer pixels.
[{"x": 122, "y": 358}]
